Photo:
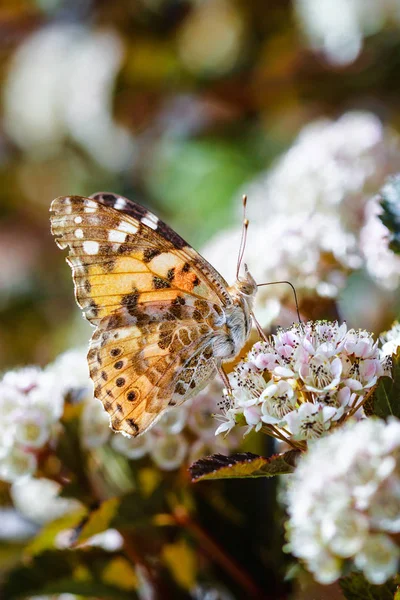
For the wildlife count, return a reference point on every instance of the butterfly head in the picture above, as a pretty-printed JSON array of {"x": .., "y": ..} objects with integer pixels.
[{"x": 246, "y": 286}]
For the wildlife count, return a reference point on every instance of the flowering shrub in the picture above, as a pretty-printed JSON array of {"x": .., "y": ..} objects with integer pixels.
[
  {"x": 344, "y": 502},
  {"x": 31, "y": 403},
  {"x": 303, "y": 381},
  {"x": 334, "y": 170}
]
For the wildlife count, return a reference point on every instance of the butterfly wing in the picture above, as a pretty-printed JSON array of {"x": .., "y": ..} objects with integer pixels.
[
  {"x": 140, "y": 370},
  {"x": 155, "y": 301},
  {"x": 117, "y": 257}
]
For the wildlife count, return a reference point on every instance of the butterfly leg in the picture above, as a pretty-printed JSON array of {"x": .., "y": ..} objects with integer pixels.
[
  {"x": 259, "y": 328},
  {"x": 225, "y": 379}
]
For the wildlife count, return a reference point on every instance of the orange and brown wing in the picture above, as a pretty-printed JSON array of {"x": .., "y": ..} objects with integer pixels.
[
  {"x": 123, "y": 258},
  {"x": 141, "y": 370},
  {"x": 155, "y": 301}
]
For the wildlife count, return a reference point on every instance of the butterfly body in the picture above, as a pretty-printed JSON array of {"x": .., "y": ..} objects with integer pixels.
[{"x": 165, "y": 319}]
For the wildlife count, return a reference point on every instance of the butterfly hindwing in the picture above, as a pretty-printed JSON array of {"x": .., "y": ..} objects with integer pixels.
[{"x": 139, "y": 370}]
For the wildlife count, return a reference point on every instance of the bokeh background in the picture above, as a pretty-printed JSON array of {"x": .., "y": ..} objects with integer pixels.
[{"x": 183, "y": 106}]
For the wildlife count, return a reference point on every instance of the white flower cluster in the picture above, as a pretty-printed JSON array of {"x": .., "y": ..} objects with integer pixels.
[
  {"x": 304, "y": 380},
  {"x": 391, "y": 339},
  {"x": 380, "y": 262},
  {"x": 307, "y": 212},
  {"x": 344, "y": 502},
  {"x": 31, "y": 403},
  {"x": 184, "y": 433},
  {"x": 338, "y": 27},
  {"x": 58, "y": 62}
]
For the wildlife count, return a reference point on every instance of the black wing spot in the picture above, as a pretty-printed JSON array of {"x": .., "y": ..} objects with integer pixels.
[
  {"x": 130, "y": 301},
  {"x": 132, "y": 425},
  {"x": 150, "y": 253},
  {"x": 159, "y": 283}
]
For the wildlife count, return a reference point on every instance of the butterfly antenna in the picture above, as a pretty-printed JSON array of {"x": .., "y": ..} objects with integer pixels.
[
  {"x": 243, "y": 239},
  {"x": 294, "y": 293}
]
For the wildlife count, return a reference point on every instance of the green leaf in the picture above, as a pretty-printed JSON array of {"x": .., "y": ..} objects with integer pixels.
[
  {"x": 242, "y": 465},
  {"x": 390, "y": 202},
  {"x": 46, "y": 537},
  {"x": 81, "y": 572},
  {"x": 98, "y": 520},
  {"x": 386, "y": 400},
  {"x": 73, "y": 457},
  {"x": 356, "y": 587}
]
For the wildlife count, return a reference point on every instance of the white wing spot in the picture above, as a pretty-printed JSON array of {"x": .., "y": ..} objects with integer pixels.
[
  {"x": 91, "y": 247},
  {"x": 89, "y": 209},
  {"x": 150, "y": 221},
  {"x": 90, "y": 203},
  {"x": 79, "y": 233},
  {"x": 128, "y": 227},
  {"x": 116, "y": 236},
  {"x": 120, "y": 203},
  {"x": 78, "y": 220}
]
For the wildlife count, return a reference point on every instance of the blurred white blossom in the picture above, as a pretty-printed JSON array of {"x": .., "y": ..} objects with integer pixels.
[
  {"x": 60, "y": 85},
  {"x": 310, "y": 220},
  {"x": 31, "y": 403},
  {"x": 344, "y": 502},
  {"x": 221, "y": 22},
  {"x": 303, "y": 380},
  {"x": 381, "y": 263},
  {"x": 71, "y": 370},
  {"x": 391, "y": 339},
  {"x": 338, "y": 27},
  {"x": 39, "y": 501}
]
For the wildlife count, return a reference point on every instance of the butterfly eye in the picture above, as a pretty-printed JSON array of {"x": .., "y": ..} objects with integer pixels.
[{"x": 246, "y": 289}]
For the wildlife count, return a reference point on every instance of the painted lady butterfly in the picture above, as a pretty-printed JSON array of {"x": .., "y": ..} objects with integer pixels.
[{"x": 165, "y": 319}]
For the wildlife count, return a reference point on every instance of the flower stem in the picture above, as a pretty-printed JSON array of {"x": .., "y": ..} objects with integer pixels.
[
  {"x": 218, "y": 555},
  {"x": 360, "y": 404},
  {"x": 137, "y": 560}
]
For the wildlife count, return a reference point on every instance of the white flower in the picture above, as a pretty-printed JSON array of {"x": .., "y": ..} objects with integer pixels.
[
  {"x": 343, "y": 501},
  {"x": 17, "y": 464},
  {"x": 303, "y": 380},
  {"x": 31, "y": 403},
  {"x": 38, "y": 500},
  {"x": 380, "y": 262},
  {"x": 344, "y": 532},
  {"x": 169, "y": 451},
  {"x": 306, "y": 213},
  {"x": 279, "y": 399},
  {"x": 378, "y": 559},
  {"x": 173, "y": 421},
  {"x": 71, "y": 370},
  {"x": 95, "y": 424},
  {"x": 134, "y": 447},
  {"x": 51, "y": 69},
  {"x": 310, "y": 420},
  {"x": 337, "y": 28},
  {"x": 391, "y": 340}
]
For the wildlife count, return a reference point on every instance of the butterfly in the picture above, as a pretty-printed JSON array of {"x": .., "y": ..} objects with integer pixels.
[{"x": 165, "y": 320}]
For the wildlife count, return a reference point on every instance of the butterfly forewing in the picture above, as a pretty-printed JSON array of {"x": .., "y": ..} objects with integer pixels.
[{"x": 155, "y": 302}]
